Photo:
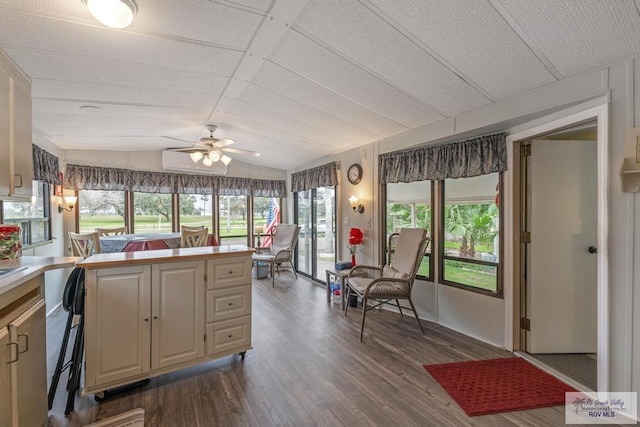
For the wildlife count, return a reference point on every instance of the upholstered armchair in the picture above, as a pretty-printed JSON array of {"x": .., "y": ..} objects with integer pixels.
[
  {"x": 284, "y": 240},
  {"x": 394, "y": 281}
]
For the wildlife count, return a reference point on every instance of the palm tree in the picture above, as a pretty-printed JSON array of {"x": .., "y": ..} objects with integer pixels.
[{"x": 472, "y": 224}]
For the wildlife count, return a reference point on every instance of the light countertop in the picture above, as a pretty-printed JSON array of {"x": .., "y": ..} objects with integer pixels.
[
  {"x": 163, "y": 255},
  {"x": 28, "y": 267}
]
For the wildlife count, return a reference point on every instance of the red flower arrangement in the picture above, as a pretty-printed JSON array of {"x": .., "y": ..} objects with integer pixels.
[{"x": 355, "y": 237}]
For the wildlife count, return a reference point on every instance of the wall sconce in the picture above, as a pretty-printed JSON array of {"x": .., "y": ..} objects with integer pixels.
[
  {"x": 355, "y": 206},
  {"x": 70, "y": 201}
]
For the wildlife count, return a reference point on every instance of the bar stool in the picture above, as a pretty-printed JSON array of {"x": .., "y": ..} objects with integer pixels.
[{"x": 73, "y": 303}]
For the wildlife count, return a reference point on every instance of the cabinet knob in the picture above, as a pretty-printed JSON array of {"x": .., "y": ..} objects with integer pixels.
[
  {"x": 230, "y": 271},
  {"x": 230, "y": 336},
  {"x": 146, "y": 319},
  {"x": 155, "y": 317},
  {"x": 230, "y": 304}
]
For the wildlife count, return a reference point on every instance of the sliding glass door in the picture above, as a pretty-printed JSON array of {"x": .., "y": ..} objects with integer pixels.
[{"x": 315, "y": 212}]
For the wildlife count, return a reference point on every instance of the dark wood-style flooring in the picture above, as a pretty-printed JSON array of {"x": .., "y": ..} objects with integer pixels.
[{"x": 307, "y": 368}]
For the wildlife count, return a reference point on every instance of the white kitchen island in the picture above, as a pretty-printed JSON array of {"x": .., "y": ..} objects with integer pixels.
[{"x": 148, "y": 313}]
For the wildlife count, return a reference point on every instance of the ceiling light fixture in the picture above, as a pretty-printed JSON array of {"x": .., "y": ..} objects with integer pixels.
[
  {"x": 208, "y": 159},
  {"x": 113, "y": 13}
]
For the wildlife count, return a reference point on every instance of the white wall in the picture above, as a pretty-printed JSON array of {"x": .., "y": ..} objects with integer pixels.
[
  {"x": 484, "y": 317},
  {"x": 55, "y": 279}
]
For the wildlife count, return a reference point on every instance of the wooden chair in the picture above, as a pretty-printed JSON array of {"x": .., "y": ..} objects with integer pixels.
[
  {"x": 281, "y": 251},
  {"x": 194, "y": 239},
  {"x": 191, "y": 228},
  {"x": 395, "y": 280},
  {"x": 115, "y": 231},
  {"x": 84, "y": 245}
]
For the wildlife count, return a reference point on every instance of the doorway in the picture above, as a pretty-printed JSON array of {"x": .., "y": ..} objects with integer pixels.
[
  {"x": 315, "y": 213},
  {"x": 558, "y": 262}
]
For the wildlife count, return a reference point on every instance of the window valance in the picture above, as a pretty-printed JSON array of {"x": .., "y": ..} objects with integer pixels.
[
  {"x": 321, "y": 176},
  {"x": 464, "y": 159},
  {"x": 45, "y": 166},
  {"x": 80, "y": 177}
]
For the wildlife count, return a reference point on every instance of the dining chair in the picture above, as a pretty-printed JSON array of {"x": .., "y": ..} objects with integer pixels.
[
  {"x": 114, "y": 231},
  {"x": 395, "y": 280},
  {"x": 84, "y": 245},
  {"x": 191, "y": 228},
  {"x": 194, "y": 239},
  {"x": 281, "y": 251}
]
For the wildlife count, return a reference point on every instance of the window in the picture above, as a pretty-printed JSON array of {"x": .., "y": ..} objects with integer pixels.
[
  {"x": 470, "y": 246},
  {"x": 233, "y": 220},
  {"x": 410, "y": 205},
  {"x": 97, "y": 208},
  {"x": 196, "y": 210},
  {"x": 152, "y": 213},
  {"x": 33, "y": 217}
]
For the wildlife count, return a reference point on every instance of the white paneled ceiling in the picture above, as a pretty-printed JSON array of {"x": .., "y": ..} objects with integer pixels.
[{"x": 296, "y": 79}]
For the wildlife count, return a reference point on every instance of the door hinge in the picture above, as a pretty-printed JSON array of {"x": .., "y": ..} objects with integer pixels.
[
  {"x": 205, "y": 337},
  {"x": 525, "y": 237},
  {"x": 525, "y": 324},
  {"x": 526, "y": 150}
]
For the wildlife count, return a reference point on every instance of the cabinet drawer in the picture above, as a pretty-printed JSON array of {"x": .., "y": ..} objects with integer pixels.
[
  {"x": 228, "y": 335},
  {"x": 228, "y": 303},
  {"x": 231, "y": 272}
]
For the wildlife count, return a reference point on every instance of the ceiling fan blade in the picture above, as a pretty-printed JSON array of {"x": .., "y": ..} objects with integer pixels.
[
  {"x": 225, "y": 142},
  {"x": 177, "y": 139},
  {"x": 238, "y": 151},
  {"x": 188, "y": 150}
]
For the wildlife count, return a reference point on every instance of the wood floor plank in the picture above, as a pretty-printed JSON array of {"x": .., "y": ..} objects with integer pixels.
[{"x": 307, "y": 368}]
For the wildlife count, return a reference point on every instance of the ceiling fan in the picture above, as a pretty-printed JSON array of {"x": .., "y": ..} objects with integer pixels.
[{"x": 211, "y": 149}]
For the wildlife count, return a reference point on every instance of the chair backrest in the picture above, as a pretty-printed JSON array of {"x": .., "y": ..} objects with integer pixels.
[
  {"x": 194, "y": 239},
  {"x": 84, "y": 245},
  {"x": 114, "y": 231},
  {"x": 410, "y": 247},
  {"x": 286, "y": 237},
  {"x": 190, "y": 228}
]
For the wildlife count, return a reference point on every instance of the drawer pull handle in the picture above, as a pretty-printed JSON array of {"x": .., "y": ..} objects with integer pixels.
[
  {"x": 230, "y": 271},
  {"x": 230, "y": 304},
  {"x": 17, "y": 352},
  {"x": 230, "y": 336},
  {"x": 26, "y": 339}
]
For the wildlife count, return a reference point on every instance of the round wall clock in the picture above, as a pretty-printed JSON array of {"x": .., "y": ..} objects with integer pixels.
[{"x": 354, "y": 173}]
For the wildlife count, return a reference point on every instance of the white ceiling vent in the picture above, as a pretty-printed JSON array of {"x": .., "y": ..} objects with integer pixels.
[{"x": 181, "y": 162}]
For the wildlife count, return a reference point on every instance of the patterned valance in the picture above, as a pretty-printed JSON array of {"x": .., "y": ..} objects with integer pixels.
[
  {"x": 45, "y": 166},
  {"x": 321, "y": 176},
  {"x": 472, "y": 157},
  {"x": 80, "y": 177}
]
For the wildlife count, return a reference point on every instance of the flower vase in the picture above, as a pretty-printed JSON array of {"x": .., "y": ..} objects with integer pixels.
[{"x": 353, "y": 260}]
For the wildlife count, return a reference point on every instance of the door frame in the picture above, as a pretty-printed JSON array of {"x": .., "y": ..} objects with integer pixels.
[{"x": 512, "y": 260}]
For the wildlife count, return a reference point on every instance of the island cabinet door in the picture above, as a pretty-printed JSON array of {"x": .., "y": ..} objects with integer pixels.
[
  {"x": 177, "y": 313},
  {"x": 117, "y": 324},
  {"x": 8, "y": 356}
]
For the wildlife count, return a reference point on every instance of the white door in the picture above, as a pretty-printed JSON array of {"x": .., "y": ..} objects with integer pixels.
[
  {"x": 29, "y": 373},
  {"x": 561, "y": 272},
  {"x": 117, "y": 324},
  {"x": 178, "y": 313}
]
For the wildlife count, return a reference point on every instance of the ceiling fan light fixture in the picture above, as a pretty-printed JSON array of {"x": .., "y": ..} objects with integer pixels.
[
  {"x": 225, "y": 159},
  {"x": 195, "y": 156},
  {"x": 113, "y": 13},
  {"x": 214, "y": 156},
  {"x": 207, "y": 161}
]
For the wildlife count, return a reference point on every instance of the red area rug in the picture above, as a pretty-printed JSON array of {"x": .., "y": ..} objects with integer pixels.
[{"x": 498, "y": 385}]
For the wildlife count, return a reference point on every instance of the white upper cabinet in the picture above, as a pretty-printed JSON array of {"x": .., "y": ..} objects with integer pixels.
[{"x": 16, "y": 162}]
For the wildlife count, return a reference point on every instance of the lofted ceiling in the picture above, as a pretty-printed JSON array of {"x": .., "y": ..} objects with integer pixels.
[{"x": 296, "y": 79}]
